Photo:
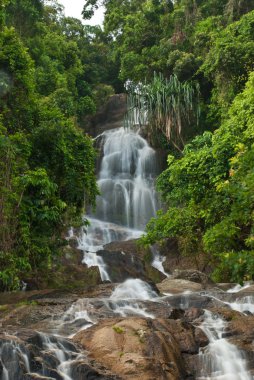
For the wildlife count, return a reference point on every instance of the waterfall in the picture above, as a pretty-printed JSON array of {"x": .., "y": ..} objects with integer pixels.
[
  {"x": 220, "y": 359},
  {"x": 11, "y": 352},
  {"x": 128, "y": 197},
  {"x": 126, "y": 179},
  {"x": 158, "y": 261}
]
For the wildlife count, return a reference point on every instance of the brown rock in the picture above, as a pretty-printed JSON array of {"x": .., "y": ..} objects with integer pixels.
[
  {"x": 193, "y": 313},
  {"x": 128, "y": 246},
  {"x": 225, "y": 285},
  {"x": 123, "y": 265},
  {"x": 139, "y": 349},
  {"x": 247, "y": 291},
  {"x": 192, "y": 275},
  {"x": 175, "y": 286}
]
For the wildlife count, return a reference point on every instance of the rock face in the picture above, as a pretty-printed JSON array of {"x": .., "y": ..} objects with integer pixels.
[
  {"x": 123, "y": 265},
  {"x": 31, "y": 356},
  {"x": 116, "y": 347},
  {"x": 129, "y": 246},
  {"x": 136, "y": 348},
  {"x": 110, "y": 116},
  {"x": 174, "y": 260},
  {"x": 68, "y": 272},
  {"x": 193, "y": 276},
  {"x": 174, "y": 286}
]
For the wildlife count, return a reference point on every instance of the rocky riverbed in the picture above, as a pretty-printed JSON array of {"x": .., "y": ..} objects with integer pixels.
[
  {"x": 132, "y": 330},
  {"x": 110, "y": 310}
]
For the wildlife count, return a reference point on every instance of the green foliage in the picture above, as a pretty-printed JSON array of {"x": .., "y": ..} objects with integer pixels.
[
  {"x": 235, "y": 267},
  {"x": 167, "y": 105},
  {"x": 209, "y": 193},
  {"x": 46, "y": 160},
  {"x": 118, "y": 329},
  {"x": 230, "y": 60},
  {"x": 17, "y": 77},
  {"x": 68, "y": 155}
]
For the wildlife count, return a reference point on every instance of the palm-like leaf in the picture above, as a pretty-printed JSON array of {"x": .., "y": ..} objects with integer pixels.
[{"x": 165, "y": 105}]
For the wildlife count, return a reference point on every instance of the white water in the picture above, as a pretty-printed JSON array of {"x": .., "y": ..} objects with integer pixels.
[
  {"x": 126, "y": 179},
  {"x": 98, "y": 234},
  {"x": 133, "y": 289},
  {"x": 239, "y": 287},
  {"x": 220, "y": 360},
  {"x": 158, "y": 261},
  {"x": 56, "y": 347},
  {"x": 128, "y": 198},
  {"x": 11, "y": 352},
  {"x": 244, "y": 304},
  {"x": 124, "y": 298}
]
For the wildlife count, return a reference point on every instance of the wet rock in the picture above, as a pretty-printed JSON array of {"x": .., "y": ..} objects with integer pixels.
[
  {"x": 225, "y": 286},
  {"x": 200, "y": 337},
  {"x": 128, "y": 246},
  {"x": 193, "y": 313},
  {"x": 247, "y": 291},
  {"x": 99, "y": 291},
  {"x": 81, "y": 371},
  {"x": 73, "y": 243},
  {"x": 192, "y": 365},
  {"x": 109, "y": 116},
  {"x": 193, "y": 276},
  {"x": 175, "y": 286},
  {"x": 71, "y": 254},
  {"x": 135, "y": 346},
  {"x": 122, "y": 266},
  {"x": 34, "y": 376}
]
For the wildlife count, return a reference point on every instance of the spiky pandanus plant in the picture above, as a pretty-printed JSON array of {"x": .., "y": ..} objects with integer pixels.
[{"x": 164, "y": 105}]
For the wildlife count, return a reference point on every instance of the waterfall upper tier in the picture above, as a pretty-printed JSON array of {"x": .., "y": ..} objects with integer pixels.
[{"x": 126, "y": 179}]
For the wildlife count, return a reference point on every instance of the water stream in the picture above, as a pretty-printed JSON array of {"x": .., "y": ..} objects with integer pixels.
[
  {"x": 127, "y": 201},
  {"x": 128, "y": 198},
  {"x": 220, "y": 360}
]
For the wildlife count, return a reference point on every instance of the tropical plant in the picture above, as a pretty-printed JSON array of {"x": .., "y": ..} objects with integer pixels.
[
  {"x": 166, "y": 106},
  {"x": 209, "y": 194}
]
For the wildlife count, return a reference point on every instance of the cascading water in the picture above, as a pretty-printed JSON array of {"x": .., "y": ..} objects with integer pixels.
[
  {"x": 126, "y": 180},
  {"x": 128, "y": 198},
  {"x": 10, "y": 353},
  {"x": 127, "y": 202},
  {"x": 158, "y": 261},
  {"x": 220, "y": 360}
]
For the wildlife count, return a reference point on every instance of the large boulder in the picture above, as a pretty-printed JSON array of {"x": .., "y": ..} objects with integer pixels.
[
  {"x": 109, "y": 116},
  {"x": 134, "y": 349},
  {"x": 127, "y": 246},
  {"x": 176, "y": 286},
  {"x": 144, "y": 349},
  {"x": 193, "y": 275},
  {"x": 123, "y": 265}
]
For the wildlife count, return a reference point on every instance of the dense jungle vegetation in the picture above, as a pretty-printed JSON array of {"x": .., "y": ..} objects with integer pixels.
[
  {"x": 51, "y": 78},
  {"x": 193, "y": 60},
  {"x": 202, "y": 52}
]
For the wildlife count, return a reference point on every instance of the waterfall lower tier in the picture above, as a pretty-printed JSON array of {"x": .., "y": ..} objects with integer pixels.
[
  {"x": 135, "y": 319},
  {"x": 220, "y": 360},
  {"x": 127, "y": 329}
]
